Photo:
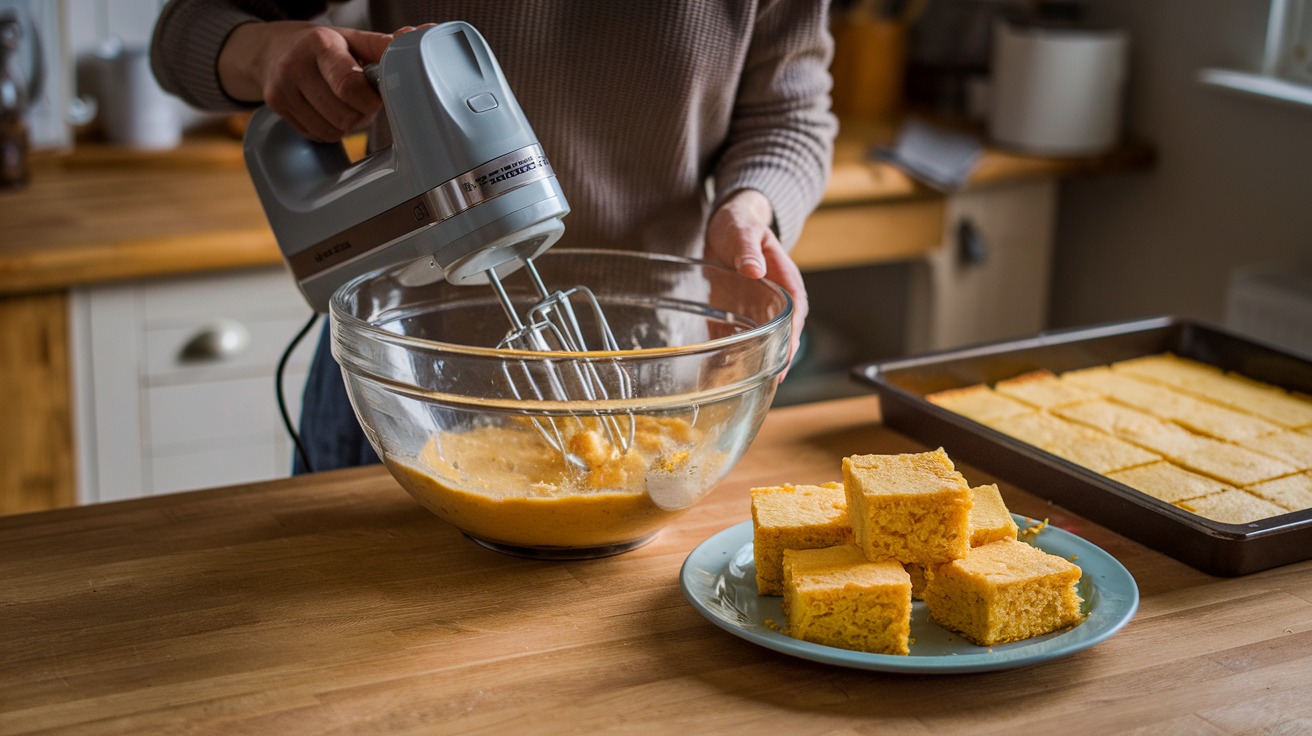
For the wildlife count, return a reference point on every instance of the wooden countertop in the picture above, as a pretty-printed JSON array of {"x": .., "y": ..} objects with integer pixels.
[
  {"x": 104, "y": 214},
  {"x": 335, "y": 603},
  {"x": 101, "y": 214}
]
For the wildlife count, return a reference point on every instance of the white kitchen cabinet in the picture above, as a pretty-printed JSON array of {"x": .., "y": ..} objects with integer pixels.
[
  {"x": 997, "y": 288},
  {"x": 153, "y": 416},
  {"x": 971, "y": 267}
]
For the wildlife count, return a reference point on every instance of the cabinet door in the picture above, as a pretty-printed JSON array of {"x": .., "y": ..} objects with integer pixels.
[
  {"x": 157, "y": 415},
  {"x": 990, "y": 278}
]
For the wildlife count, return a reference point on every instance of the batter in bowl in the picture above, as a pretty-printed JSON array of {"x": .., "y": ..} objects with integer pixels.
[{"x": 504, "y": 485}]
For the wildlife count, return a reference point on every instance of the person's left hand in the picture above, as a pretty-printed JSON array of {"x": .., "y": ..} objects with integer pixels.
[{"x": 739, "y": 235}]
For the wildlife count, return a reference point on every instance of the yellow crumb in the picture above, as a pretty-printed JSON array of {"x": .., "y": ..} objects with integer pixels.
[{"x": 1030, "y": 532}]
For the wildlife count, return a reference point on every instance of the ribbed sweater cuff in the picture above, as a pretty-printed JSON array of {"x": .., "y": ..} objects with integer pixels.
[
  {"x": 791, "y": 200},
  {"x": 190, "y": 67}
]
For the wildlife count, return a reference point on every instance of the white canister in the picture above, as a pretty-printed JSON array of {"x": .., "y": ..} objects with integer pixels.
[
  {"x": 1057, "y": 91},
  {"x": 135, "y": 111}
]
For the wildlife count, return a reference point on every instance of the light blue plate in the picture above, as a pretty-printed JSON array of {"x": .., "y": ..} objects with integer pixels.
[{"x": 719, "y": 579}]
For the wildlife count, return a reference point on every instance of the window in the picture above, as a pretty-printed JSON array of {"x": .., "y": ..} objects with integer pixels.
[
  {"x": 1289, "y": 41},
  {"x": 1286, "y": 73}
]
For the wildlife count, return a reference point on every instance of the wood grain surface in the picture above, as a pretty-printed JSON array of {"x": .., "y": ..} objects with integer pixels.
[
  {"x": 36, "y": 434},
  {"x": 91, "y": 219},
  {"x": 336, "y": 604}
]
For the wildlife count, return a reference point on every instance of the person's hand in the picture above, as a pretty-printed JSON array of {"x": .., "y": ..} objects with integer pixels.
[
  {"x": 739, "y": 235},
  {"x": 311, "y": 75}
]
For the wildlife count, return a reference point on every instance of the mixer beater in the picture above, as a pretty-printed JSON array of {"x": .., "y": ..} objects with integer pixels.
[{"x": 551, "y": 325}]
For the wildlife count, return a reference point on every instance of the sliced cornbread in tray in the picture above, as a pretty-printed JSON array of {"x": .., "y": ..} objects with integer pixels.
[
  {"x": 1168, "y": 482},
  {"x": 1228, "y": 389},
  {"x": 1234, "y": 464},
  {"x": 1202, "y": 417},
  {"x": 979, "y": 402},
  {"x": 1234, "y": 506},
  {"x": 1291, "y": 446},
  {"x": 1085, "y": 357},
  {"x": 1292, "y": 492},
  {"x": 1097, "y": 451},
  {"x": 1043, "y": 390},
  {"x": 1133, "y": 426}
]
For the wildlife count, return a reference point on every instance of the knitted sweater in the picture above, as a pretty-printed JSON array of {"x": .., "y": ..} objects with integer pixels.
[{"x": 651, "y": 112}]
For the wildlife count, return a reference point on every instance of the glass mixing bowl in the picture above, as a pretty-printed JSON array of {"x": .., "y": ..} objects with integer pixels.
[{"x": 563, "y": 455}]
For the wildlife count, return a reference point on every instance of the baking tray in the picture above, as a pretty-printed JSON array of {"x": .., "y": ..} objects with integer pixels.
[{"x": 1211, "y": 546}]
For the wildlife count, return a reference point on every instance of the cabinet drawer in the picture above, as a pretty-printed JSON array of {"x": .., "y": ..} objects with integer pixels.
[
  {"x": 192, "y": 414},
  {"x": 229, "y": 348},
  {"x": 257, "y": 459}
]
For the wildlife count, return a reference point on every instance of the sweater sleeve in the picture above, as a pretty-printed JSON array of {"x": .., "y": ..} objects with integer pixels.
[
  {"x": 189, "y": 34},
  {"x": 781, "y": 139}
]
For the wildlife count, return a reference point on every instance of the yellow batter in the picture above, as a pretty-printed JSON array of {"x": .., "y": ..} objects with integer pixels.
[{"x": 505, "y": 484}]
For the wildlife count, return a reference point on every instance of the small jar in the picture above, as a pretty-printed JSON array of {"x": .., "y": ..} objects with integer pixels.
[{"x": 14, "y": 146}]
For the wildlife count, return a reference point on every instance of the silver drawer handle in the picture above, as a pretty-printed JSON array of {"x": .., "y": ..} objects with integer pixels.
[{"x": 220, "y": 340}]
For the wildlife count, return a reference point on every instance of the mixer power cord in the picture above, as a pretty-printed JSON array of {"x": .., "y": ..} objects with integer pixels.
[{"x": 282, "y": 400}]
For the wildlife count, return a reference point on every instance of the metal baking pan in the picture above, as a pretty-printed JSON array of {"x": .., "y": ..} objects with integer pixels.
[{"x": 1213, "y": 547}]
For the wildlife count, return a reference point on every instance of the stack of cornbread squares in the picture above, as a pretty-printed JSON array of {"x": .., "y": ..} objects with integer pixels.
[
  {"x": 1217, "y": 444},
  {"x": 848, "y": 558}
]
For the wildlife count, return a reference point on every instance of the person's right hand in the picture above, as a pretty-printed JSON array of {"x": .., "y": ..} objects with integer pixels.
[{"x": 311, "y": 75}]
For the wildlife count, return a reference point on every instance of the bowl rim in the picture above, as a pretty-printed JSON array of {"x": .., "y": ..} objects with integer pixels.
[{"x": 339, "y": 315}]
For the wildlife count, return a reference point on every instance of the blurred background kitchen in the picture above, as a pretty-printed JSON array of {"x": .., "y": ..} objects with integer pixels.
[{"x": 1004, "y": 168}]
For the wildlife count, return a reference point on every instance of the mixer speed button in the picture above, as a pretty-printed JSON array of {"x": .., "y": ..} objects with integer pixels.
[{"x": 482, "y": 102}]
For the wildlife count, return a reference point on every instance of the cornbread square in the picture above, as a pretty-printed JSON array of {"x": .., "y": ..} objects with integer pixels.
[
  {"x": 1228, "y": 389},
  {"x": 989, "y": 518},
  {"x": 913, "y": 507},
  {"x": 1090, "y": 379},
  {"x": 794, "y": 517},
  {"x": 1170, "y": 369},
  {"x": 1004, "y": 591},
  {"x": 978, "y": 402},
  {"x": 1288, "y": 409},
  {"x": 836, "y": 597},
  {"x": 1042, "y": 389},
  {"x": 1292, "y": 492},
  {"x": 1134, "y": 426},
  {"x": 1097, "y": 451},
  {"x": 1232, "y": 507},
  {"x": 1107, "y": 383},
  {"x": 1233, "y": 464},
  {"x": 1168, "y": 482},
  {"x": 1293, "y": 447}
]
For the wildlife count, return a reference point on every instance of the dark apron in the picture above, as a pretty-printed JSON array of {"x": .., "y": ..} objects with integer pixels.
[{"x": 330, "y": 433}]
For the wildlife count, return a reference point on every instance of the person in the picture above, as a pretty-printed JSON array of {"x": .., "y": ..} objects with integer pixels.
[{"x": 698, "y": 128}]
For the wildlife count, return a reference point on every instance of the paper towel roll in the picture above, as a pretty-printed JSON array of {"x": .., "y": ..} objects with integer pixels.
[{"x": 1057, "y": 91}]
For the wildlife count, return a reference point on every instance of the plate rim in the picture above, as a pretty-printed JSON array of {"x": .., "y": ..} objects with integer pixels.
[{"x": 1115, "y": 589}]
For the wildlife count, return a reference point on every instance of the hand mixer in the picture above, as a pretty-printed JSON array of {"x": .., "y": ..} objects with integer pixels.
[{"x": 464, "y": 191}]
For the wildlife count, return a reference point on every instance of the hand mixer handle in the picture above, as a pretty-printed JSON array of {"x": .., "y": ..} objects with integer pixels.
[
  {"x": 373, "y": 74},
  {"x": 296, "y": 159},
  {"x": 293, "y": 164}
]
